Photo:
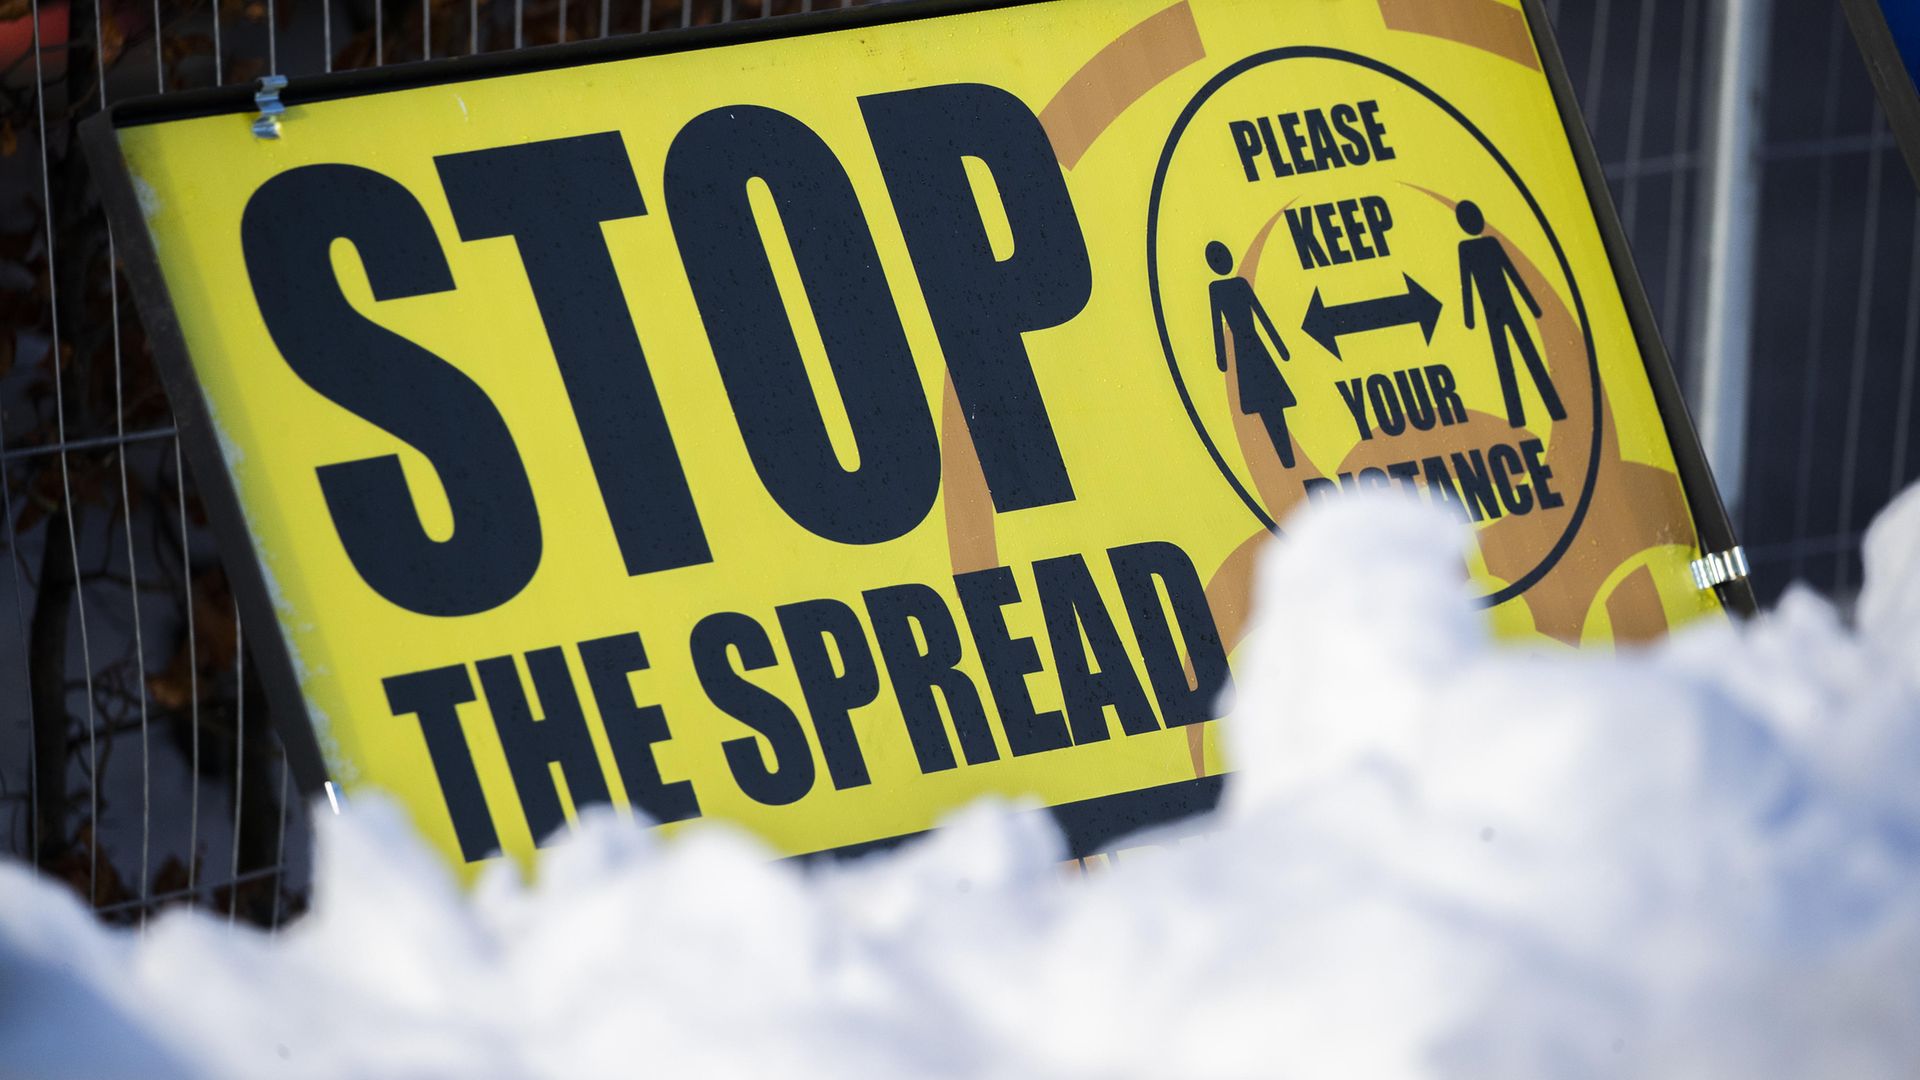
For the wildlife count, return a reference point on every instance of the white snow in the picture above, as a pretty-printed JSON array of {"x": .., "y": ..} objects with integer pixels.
[{"x": 1440, "y": 858}]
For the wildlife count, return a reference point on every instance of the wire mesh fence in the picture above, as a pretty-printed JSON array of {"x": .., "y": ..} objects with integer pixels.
[
  {"x": 137, "y": 760},
  {"x": 1835, "y": 339},
  {"x": 1835, "y": 308}
]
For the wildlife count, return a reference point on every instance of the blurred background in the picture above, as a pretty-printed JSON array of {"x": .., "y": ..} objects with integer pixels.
[{"x": 1771, "y": 215}]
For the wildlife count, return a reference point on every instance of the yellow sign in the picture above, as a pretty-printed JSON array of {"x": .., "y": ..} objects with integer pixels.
[{"x": 818, "y": 431}]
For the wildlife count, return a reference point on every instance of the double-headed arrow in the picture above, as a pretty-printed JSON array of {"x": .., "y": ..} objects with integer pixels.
[{"x": 1327, "y": 325}]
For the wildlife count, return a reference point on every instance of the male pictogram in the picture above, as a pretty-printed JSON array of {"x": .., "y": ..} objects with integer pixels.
[
  {"x": 1485, "y": 265},
  {"x": 1263, "y": 391}
]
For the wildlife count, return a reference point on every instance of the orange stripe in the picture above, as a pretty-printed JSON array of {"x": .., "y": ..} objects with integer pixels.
[
  {"x": 971, "y": 544},
  {"x": 1635, "y": 610},
  {"x": 1483, "y": 24},
  {"x": 1117, "y": 76}
]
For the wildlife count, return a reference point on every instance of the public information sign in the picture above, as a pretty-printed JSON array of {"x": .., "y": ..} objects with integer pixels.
[{"x": 821, "y": 425}]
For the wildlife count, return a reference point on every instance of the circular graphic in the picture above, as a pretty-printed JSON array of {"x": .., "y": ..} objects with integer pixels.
[{"x": 1374, "y": 298}]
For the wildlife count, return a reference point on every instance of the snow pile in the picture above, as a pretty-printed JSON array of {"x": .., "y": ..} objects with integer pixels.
[{"x": 1441, "y": 859}]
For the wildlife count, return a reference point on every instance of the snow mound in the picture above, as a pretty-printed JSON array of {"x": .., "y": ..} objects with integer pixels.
[{"x": 1440, "y": 858}]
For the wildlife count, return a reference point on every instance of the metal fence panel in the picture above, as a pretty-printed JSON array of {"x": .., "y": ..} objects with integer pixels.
[{"x": 136, "y": 760}]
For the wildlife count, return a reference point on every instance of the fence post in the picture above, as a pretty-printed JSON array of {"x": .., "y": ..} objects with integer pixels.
[{"x": 1729, "y": 231}]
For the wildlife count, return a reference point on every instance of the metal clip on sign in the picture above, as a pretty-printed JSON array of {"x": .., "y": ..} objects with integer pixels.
[
  {"x": 1719, "y": 568},
  {"x": 267, "y": 124}
]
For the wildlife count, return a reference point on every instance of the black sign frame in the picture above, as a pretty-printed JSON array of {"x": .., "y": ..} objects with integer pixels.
[{"x": 1892, "y": 79}]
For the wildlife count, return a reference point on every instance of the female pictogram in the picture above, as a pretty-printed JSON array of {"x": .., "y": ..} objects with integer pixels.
[{"x": 1263, "y": 390}]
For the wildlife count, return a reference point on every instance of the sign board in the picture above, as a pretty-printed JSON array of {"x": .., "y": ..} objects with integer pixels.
[
  {"x": 823, "y": 424},
  {"x": 1889, "y": 35}
]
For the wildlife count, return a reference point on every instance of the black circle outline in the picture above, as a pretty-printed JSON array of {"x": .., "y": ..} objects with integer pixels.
[{"x": 1319, "y": 52}]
